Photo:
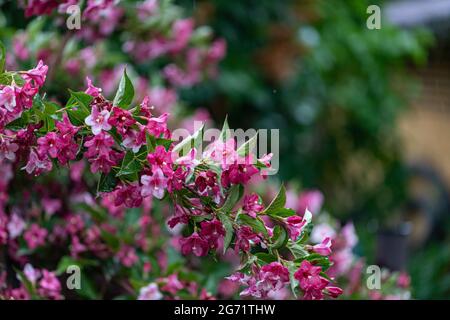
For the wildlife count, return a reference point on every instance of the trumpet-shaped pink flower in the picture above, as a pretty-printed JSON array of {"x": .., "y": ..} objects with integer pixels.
[
  {"x": 8, "y": 98},
  {"x": 98, "y": 121},
  {"x": 310, "y": 280},
  {"x": 252, "y": 205},
  {"x": 212, "y": 231},
  {"x": 323, "y": 248},
  {"x": 154, "y": 185},
  {"x": 195, "y": 244}
]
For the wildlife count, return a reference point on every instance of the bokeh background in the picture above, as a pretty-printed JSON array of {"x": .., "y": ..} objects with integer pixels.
[{"x": 364, "y": 115}]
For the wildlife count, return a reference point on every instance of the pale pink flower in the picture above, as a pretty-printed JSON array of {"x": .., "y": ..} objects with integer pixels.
[
  {"x": 150, "y": 292},
  {"x": 98, "y": 121},
  {"x": 154, "y": 184}
]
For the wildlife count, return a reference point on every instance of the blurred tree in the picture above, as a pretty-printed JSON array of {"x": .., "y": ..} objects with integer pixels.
[{"x": 333, "y": 87}]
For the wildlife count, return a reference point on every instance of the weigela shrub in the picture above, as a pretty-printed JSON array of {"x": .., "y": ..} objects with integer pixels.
[{"x": 133, "y": 161}]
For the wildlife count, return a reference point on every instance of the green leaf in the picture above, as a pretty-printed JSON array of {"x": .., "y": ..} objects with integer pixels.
[
  {"x": 280, "y": 237},
  {"x": 266, "y": 257},
  {"x": 130, "y": 165},
  {"x": 283, "y": 213},
  {"x": 248, "y": 146},
  {"x": 112, "y": 240},
  {"x": 192, "y": 141},
  {"x": 78, "y": 107},
  {"x": 2, "y": 57},
  {"x": 292, "y": 281},
  {"x": 233, "y": 197},
  {"x": 297, "y": 250},
  {"x": 225, "y": 134},
  {"x": 278, "y": 202},
  {"x": 256, "y": 224},
  {"x": 125, "y": 93},
  {"x": 107, "y": 182},
  {"x": 229, "y": 231}
]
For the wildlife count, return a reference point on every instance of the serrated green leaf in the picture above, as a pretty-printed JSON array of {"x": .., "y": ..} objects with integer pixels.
[
  {"x": 292, "y": 281},
  {"x": 229, "y": 231},
  {"x": 130, "y": 165},
  {"x": 125, "y": 92},
  {"x": 278, "y": 202}
]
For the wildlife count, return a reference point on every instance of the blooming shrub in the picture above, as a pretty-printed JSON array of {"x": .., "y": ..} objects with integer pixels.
[{"x": 132, "y": 152}]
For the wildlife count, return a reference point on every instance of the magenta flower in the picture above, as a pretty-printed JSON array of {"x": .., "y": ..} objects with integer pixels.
[
  {"x": 128, "y": 195},
  {"x": 154, "y": 184},
  {"x": 98, "y": 121},
  {"x": 37, "y": 163},
  {"x": 161, "y": 159},
  {"x": 127, "y": 256},
  {"x": 252, "y": 205},
  {"x": 48, "y": 144},
  {"x": 323, "y": 248},
  {"x": 8, "y": 98},
  {"x": 310, "y": 280},
  {"x": 35, "y": 236},
  {"x": 8, "y": 149},
  {"x": 245, "y": 237},
  {"x": 157, "y": 126},
  {"x": 37, "y": 75},
  {"x": 91, "y": 89},
  {"x": 212, "y": 231},
  {"x": 296, "y": 224},
  {"x": 121, "y": 119},
  {"x": 195, "y": 244},
  {"x": 172, "y": 284}
]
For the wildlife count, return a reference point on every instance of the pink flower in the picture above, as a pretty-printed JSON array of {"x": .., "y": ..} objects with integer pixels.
[
  {"x": 8, "y": 98},
  {"x": 274, "y": 276},
  {"x": 161, "y": 159},
  {"x": 127, "y": 256},
  {"x": 31, "y": 273},
  {"x": 150, "y": 292},
  {"x": 16, "y": 225},
  {"x": 296, "y": 224},
  {"x": 212, "y": 231},
  {"x": 37, "y": 75},
  {"x": 238, "y": 174},
  {"x": 310, "y": 280},
  {"x": 195, "y": 244},
  {"x": 323, "y": 248},
  {"x": 252, "y": 205},
  {"x": 35, "y": 236},
  {"x": 157, "y": 126},
  {"x": 98, "y": 121},
  {"x": 334, "y": 292},
  {"x": 128, "y": 194},
  {"x": 147, "y": 9},
  {"x": 172, "y": 284},
  {"x": 403, "y": 280},
  {"x": 134, "y": 140},
  {"x": 245, "y": 237},
  {"x": 91, "y": 89},
  {"x": 154, "y": 184},
  {"x": 49, "y": 285},
  {"x": 121, "y": 119},
  {"x": 48, "y": 144},
  {"x": 8, "y": 149},
  {"x": 37, "y": 163},
  {"x": 98, "y": 144},
  {"x": 311, "y": 200}
]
